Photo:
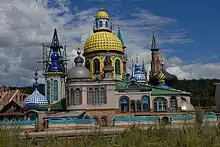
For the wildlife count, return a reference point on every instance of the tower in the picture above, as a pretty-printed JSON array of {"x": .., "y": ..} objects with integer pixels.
[
  {"x": 54, "y": 66},
  {"x": 139, "y": 74},
  {"x": 102, "y": 42},
  {"x": 155, "y": 56}
]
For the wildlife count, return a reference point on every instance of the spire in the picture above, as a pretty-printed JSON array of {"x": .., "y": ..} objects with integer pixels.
[
  {"x": 55, "y": 45},
  {"x": 55, "y": 57},
  {"x": 143, "y": 67},
  {"x": 36, "y": 85},
  {"x": 154, "y": 43},
  {"x": 78, "y": 60},
  {"x": 120, "y": 36}
]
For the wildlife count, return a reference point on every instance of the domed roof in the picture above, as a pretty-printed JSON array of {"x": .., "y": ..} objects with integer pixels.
[
  {"x": 35, "y": 99},
  {"x": 79, "y": 71},
  {"x": 102, "y": 14},
  {"x": 170, "y": 79},
  {"x": 103, "y": 41}
]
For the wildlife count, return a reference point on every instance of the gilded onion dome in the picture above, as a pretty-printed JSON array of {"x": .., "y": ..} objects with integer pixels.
[{"x": 103, "y": 41}]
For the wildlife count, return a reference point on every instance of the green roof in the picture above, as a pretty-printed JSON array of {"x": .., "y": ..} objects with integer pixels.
[{"x": 134, "y": 86}]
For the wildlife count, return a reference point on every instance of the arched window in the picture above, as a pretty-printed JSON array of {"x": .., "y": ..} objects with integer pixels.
[
  {"x": 96, "y": 66},
  {"x": 104, "y": 122},
  {"x": 97, "y": 24},
  {"x": 117, "y": 66},
  {"x": 48, "y": 90},
  {"x": 102, "y": 95},
  {"x": 67, "y": 97},
  {"x": 96, "y": 96},
  {"x": 78, "y": 99},
  {"x": 90, "y": 96},
  {"x": 132, "y": 106},
  {"x": 72, "y": 97},
  {"x": 173, "y": 104},
  {"x": 145, "y": 102},
  {"x": 106, "y": 24},
  {"x": 88, "y": 64},
  {"x": 124, "y": 104},
  {"x": 138, "y": 102},
  {"x": 100, "y": 23},
  {"x": 55, "y": 90},
  {"x": 160, "y": 105}
]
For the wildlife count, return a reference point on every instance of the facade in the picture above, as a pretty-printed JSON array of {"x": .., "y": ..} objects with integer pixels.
[{"x": 99, "y": 85}]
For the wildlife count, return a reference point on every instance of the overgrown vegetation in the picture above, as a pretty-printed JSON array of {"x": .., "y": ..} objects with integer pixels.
[{"x": 133, "y": 137}]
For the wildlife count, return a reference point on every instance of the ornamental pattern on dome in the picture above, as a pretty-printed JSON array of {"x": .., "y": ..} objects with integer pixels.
[
  {"x": 102, "y": 41},
  {"x": 36, "y": 98}
]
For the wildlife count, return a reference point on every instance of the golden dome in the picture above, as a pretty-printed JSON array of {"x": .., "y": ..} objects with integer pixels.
[
  {"x": 103, "y": 41},
  {"x": 161, "y": 77},
  {"x": 102, "y": 14}
]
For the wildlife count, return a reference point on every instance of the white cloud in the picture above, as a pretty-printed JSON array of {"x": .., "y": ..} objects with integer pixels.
[{"x": 24, "y": 25}]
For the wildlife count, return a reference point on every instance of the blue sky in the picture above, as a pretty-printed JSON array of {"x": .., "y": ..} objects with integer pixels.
[
  {"x": 199, "y": 18},
  {"x": 187, "y": 32}
]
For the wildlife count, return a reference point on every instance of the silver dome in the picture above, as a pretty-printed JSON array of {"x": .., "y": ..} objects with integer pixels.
[{"x": 78, "y": 72}]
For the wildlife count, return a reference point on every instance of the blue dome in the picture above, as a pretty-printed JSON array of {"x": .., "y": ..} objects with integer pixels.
[
  {"x": 162, "y": 85},
  {"x": 36, "y": 99},
  {"x": 54, "y": 56}
]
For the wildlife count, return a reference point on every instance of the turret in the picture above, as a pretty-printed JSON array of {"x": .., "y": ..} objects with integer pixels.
[
  {"x": 102, "y": 22},
  {"x": 139, "y": 74},
  {"x": 55, "y": 73}
]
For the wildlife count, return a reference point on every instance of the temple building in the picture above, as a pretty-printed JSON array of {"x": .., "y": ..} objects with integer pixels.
[{"x": 100, "y": 86}]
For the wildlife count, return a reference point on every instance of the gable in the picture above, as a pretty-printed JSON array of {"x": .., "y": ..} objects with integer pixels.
[
  {"x": 123, "y": 86},
  {"x": 11, "y": 107}
]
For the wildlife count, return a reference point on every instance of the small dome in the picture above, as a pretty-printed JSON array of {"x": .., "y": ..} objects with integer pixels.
[
  {"x": 170, "y": 79},
  {"x": 102, "y": 14},
  {"x": 161, "y": 77},
  {"x": 78, "y": 72},
  {"x": 35, "y": 99},
  {"x": 103, "y": 41}
]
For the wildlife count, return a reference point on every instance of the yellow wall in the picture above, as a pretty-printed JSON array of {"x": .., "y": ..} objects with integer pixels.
[{"x": 102, "y": 59}]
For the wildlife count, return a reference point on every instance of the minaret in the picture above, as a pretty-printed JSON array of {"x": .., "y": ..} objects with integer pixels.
[
  {"x": 55, "y": 73},
  {"x": 125, "y": 58},
  {"x": 155, "y": 55}
]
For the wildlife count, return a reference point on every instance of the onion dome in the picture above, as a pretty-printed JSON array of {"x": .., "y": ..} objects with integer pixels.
[
  {"x": 102, "y": 14},
  {"x": 36, "y": 98},
  {"x": 103, "y": 41},
  {"x": 161, "y": 80},
  {"x": 170, "y": 79},
  {"x": 79, "y": 71}
]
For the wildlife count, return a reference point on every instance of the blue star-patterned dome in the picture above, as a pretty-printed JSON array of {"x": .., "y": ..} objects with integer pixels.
[{"x": 36, "y": 98}]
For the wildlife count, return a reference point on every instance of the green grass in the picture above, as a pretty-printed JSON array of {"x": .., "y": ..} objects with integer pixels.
[{"x": 131, "y": 137}]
